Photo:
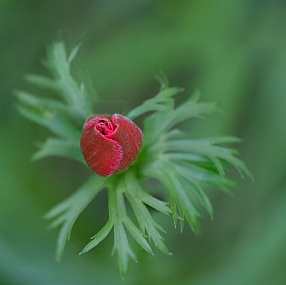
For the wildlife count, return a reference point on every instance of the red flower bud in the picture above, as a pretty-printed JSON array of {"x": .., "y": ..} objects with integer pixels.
[{"x": 110, "y": 143}]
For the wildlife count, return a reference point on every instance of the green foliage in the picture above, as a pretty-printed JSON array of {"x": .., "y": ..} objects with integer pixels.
[{"x": 184, "y": 165}]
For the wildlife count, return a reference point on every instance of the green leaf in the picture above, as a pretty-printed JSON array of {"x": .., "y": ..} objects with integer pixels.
[
  {"x": 57, "y": 61},
  {"x": 182, "y": 220},
  {"x": 137, "y": 235},
  {"x": 185, "y": 204},
  {"x": 175, "y": 134},
  {"x": 155, "y": 104},
  {"x": 200, "y": 146},
  {"x": 140, "y": 195},
  {"x": 203, "y": 176},
  {"x": 58, "y": 147},
  {"x": 121, "y": 244},
  {"x": 66, "y": 213},
  {"x": 173, "y": 204},
  {"x": 36, "y": 103},
  {"x": 167, "y": 174},
  {"x": 33, "y": 101},
  {"x": 218, "y": 165},
  {"x": 180, "y": 156},
  {"x": 219, "y": 140},
  {"x": 162, "y": 79},
  {"x": 122, "y": 247},
  {"x": 69, "y": 90},
  {"x": 145, "y": 220},
  {"x": 99, "y": 237},
  {"x": 203, "y": 198},
  {"x": 73, "y": 53},
  {"x": 187, "y": 110},
  {"x": 53, "y": 121},
  {"x": 154, "y": 203},
  {"x": 42, "y": 82}
]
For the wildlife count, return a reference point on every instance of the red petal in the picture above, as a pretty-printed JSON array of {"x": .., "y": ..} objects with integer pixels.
[
  {"x": 129, "y": 137},
  {"x": 103, "y": 155}
]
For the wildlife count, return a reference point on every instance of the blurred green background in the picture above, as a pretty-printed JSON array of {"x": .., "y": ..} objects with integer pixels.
[{"x": 234, "y": 52}]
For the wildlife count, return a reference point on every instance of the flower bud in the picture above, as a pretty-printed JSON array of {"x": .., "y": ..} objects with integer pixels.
[{"x": 110, "y": 143}]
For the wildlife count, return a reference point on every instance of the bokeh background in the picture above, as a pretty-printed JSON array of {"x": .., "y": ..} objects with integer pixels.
[{"x": 234, "y": 52}]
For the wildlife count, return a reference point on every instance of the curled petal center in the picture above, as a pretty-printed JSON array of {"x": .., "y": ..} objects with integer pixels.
[{"x": 105, "y": 127}]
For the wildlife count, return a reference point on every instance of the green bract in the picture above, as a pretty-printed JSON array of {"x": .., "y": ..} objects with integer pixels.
[{"x": 184, "y": 165}]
